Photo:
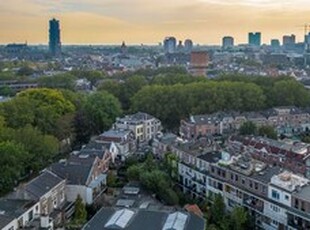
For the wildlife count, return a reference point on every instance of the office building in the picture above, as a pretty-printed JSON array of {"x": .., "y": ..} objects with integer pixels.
[
  {"x": 188, "y": 45},
  {"x": 227, "y": 42},
  {"x": 289, "y": 41},
  {"x": 54, "y": 37},
  {"x": 275, "y": 43},
  {"x": 255, "y": 39},
  {"x": 170, "y": 44}
]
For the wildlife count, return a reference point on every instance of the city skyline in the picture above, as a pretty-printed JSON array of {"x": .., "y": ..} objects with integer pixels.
[{"x": 137, "y": 21}]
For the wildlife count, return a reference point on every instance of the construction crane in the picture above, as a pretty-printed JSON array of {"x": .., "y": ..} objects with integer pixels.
[{"x": 307, "y": 29}]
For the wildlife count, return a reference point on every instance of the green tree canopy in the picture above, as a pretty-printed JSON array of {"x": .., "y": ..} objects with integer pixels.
[
  {"x": 268, "y": 131},
  {"x": 80, "y": 213},
  {"x": 101, "y": 110},
  {"x": 248, "y": 128},
  {"x": 13, "y": 156}
]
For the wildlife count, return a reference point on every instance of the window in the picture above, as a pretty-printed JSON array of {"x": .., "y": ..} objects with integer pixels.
[
  {"x": 256, "y": 185},
  {"x": 275, "y": 194},
  {"x": 30, "y": 215},
  {"x": 286, "y": 197},
  {"x": 274, "y": 208},
  {"x": 242, "y": 181},
  {"x": 210, "y": 182},
  {"x": 274, "y": 222},
  {"x": 236, "y": 178},
  {"x": 55, "y": 202}
]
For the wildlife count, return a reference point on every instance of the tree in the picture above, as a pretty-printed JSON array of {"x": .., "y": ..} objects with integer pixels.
[
  {"x": 268, "y": 131},
  {"x": 248, "y": 128},
  {"x": 239, "y": 218},
  {"x": 41, "y": 148},
  {"x": 25, "y": 71},
  {"x": 80, "y": 213},
  {"x": 48, "y": 105},
  {"x": 133, "y": 172},
  {"x": 217, "y": 210},
  {"x": 6, "y": 91},
  {"x": 18, "y": 112},
  {"x": 168, "y": 196},
  {"x": 101, "y": 110},
  {"x": 171, "y": 165},
  {"x": 60, "y": 81},
  {"x": 12, "y": 159},
  {"x": 111, "y": 179}
]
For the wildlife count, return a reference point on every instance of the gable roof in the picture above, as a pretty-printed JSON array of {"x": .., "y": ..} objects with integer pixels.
[
  {"x": 140, "y": 219},
  {"x": 13, "y": 208},
  {"x": 42, "y": 184},
  {"x": 76, "y": 169}
]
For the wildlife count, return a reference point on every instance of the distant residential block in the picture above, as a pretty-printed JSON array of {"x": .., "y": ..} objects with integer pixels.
[{"x": 143, "y": 125}]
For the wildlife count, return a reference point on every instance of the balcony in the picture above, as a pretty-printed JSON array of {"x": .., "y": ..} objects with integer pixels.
[{"x": 253, "y": 203}]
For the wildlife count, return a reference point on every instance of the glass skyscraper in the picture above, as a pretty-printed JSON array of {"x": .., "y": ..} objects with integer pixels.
[
  {"x": 255, "y": 39},
  {"x": 54, "y": 37}
]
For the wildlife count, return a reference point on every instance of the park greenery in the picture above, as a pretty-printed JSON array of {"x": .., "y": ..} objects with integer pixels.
[{"x": 155, "y": 178}]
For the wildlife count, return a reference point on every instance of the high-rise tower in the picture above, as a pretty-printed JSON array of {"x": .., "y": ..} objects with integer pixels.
[
  {"x": 255, "y": 39},
  {"x": 54, "y": 37}
]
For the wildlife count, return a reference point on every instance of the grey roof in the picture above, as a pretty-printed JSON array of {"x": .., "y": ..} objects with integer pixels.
[
  {"x": 5, "y": 220},
  {"x": 141, "y": 116},
  {"x": 76, "y": 169},
  {"x": 205, "y": 119},
  {"x": 13, "y": 208},
  {"x": 303, "y": 193},
  {"x": 42, "y": 184},
  {"x": 211, "y": 157},
  {"x": 168, "y": 138},
  {"x": 116, "y": 133},
  {"x": 266, "y": 174},
  {"x": 94, "y": 149},
  {"x": 137, "y": 117},
  {"x": 254, "y": 115},
  {"x": 142, "y": 219}
]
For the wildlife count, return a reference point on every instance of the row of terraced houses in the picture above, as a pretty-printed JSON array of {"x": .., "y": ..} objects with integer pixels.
[
  {"x": 286, "y": 120},
  {"x": 269, "y": 178}
]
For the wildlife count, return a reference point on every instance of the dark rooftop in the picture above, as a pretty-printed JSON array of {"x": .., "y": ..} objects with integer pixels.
[
  {"x": 42, "y": 184},
  {"x": 266, "y": 174},
  {"x": 13, "y": 208},
  {"x": 141, "y": 220},
  {"x": 211, "y": 157},
  {"x": 76, "y": 169}
]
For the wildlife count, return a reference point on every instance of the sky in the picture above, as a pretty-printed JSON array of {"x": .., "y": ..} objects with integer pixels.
[{"x": 149, "y": 21}]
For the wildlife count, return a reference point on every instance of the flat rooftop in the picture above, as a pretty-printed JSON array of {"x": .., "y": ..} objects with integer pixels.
[{"x": 289, "y": 181}]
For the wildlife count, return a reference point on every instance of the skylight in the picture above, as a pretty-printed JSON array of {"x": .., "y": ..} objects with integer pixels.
[
  {"x": 175, "y": 221},
  {"x": 120, "y": 218}
]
